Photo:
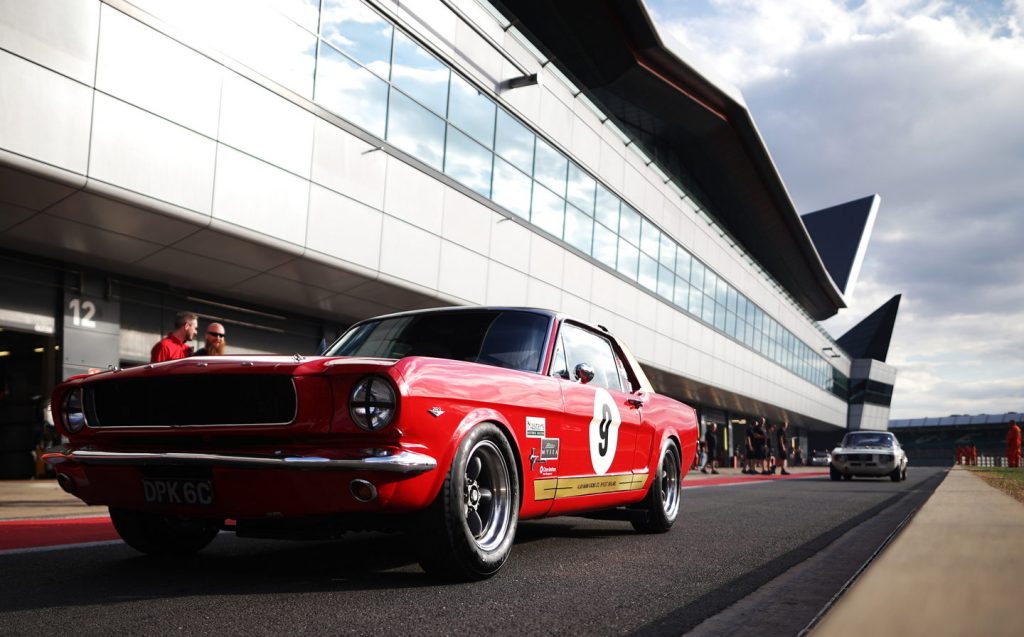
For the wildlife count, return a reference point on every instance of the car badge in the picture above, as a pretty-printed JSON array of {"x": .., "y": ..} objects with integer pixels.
[{"x": 435, "y": 411}]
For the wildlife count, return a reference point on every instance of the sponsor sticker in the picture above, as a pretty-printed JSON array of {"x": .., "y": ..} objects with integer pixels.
[
  {"x": 547, "y": 471},
  {"x": 536, "y": 427},
  {"x": 549, "y": 449}
]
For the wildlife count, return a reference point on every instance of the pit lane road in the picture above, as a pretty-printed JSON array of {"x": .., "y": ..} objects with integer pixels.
[{"x": 571, "y": 576}]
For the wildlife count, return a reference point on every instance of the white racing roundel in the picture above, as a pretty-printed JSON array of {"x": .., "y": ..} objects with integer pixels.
[{"x": 604, "y": 431}]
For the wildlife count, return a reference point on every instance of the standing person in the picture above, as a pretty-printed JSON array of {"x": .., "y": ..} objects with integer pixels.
[
  {"x": 175, "y": 345},
  {"x": 782, "y": 441},
  {"x": 748, "y": 466},
  {"x": 1014, "y": 444},
  {"x": 711, "y": 444},
  {"x": 760, "y": 438},
  {"x": 769, "y": 450},
  {"x": 216, "y": 341}
]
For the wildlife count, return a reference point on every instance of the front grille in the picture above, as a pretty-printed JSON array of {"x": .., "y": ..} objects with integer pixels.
[
  {"x": 193, "y": 400},
  {"x": 860, "y": 457}
]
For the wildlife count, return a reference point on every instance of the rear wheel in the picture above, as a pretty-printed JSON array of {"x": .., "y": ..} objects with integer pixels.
[
  {"x": 834, "y": 473},
  {"x": 467, "y": 532},
  {"x": 661, "y": 506},
  {"x": 155, "y": 534}
]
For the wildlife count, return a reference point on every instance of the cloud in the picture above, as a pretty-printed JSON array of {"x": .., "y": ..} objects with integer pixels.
[{"x": 918, "y": 101}]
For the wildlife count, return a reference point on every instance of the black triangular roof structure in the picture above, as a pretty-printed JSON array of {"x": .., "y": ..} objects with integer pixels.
[
  {"x": 870, "y": 338},
  {"x": 840, "y": 234}
]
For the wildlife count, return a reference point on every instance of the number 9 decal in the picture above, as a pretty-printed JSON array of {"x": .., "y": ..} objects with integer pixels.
[{"x": 604, "y": 431}]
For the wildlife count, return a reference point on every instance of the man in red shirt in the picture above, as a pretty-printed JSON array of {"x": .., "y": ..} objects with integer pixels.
[
  {"x": 172, "y": 346},
  {"x": 1013, "y": 444}
]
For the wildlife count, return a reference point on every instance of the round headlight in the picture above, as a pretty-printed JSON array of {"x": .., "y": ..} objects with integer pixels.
[
  {"x": 372, "y": 403},
  {"x": 72, "y": 411}
]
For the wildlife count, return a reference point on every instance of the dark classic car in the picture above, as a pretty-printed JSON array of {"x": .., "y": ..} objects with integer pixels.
[{"x": 449, "y": 424}]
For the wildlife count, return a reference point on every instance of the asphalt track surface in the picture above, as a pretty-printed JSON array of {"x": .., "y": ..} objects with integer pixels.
[{"x": 566, "y": 576}]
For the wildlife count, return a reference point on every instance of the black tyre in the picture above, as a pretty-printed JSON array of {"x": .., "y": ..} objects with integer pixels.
[
  {"x": 895, "y": 475},
  {"x": 904, "y": 474},
  {"x": 834, "y": 473},
  {"x": 661, "y": 506},
  {"x": 154, "y": 534},
  {"x": 847, "y": 476},
  {"x": 467, "y": 533}
]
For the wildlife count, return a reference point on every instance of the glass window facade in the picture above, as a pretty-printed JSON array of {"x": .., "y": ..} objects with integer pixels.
[{"x": 378, "y": 78}]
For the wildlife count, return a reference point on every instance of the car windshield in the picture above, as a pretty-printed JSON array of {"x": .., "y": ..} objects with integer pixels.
[
  {"x": 503, "y": 338},
  {"x": 867, "y": 440}
]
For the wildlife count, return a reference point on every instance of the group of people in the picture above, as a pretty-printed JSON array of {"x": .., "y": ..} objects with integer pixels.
[
  {"x": 176, "y": 344},
  {"x": 768, "y": 448}
]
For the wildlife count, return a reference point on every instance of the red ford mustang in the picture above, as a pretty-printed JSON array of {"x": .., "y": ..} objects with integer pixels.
[{"x": 450, "y": 424}]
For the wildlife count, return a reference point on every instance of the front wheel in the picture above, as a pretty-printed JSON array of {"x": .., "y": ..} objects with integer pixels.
[
  {"x": 661, "y": 506},
  {"x": 155, "y": 534},
  {"x": 467, "y": 532},
  {"x": 834, "y": 474}
]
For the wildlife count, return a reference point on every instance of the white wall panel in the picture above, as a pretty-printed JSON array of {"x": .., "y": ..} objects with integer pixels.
[
  {"x": 413, "y": 196},
  {"x": 347, "y": 164},
  {"x": 555, "y": 117},
  {"x": 124, "y": 139},
  {"x": 478, "y": 56},
  {"x": 153, "y": 72},
  {"x": 467, "y": 222},
  {"x": 510, "y": 244},
  {"x": 611, "y": 166},
  {"x": 265, "y": 125},
  {"x": 256, "y": 195},
  {"x": 410, "y": 253},
  {"x": 463, "y": 273},
  {"x": 542, "y": 295},
  {"x": 586, "y": 144},
  {"x": 43, "y": 115},
  {"x": 577, "y": 275},
  {"x": 546, "y": 260},
  {"x": 57, "y": 34},
  {"x": 575, "y": 306},
  {"x": 505, "y": 286},
  {"x": 344, "y": 228}
]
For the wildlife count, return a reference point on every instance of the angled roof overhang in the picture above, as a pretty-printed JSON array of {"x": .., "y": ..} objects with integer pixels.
[{"x": 697, "y": 129}]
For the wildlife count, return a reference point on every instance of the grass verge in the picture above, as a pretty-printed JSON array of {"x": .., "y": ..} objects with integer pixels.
[{"x": 1010, "y": 481}]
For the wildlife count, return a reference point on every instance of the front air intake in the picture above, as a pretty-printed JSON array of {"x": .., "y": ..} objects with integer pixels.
[{"x": 191, "y": 401}]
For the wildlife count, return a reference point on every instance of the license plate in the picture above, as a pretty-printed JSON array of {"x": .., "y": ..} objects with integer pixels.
[{"x": 177, "y": 491}]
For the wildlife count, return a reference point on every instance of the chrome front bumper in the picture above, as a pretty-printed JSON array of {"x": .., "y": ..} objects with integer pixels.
[{"x": 407, "y": 462}]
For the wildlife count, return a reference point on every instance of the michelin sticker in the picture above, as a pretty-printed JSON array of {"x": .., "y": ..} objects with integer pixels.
[
  {"x": 535, "y": 427},
  {"x": 604, "y": 431}
]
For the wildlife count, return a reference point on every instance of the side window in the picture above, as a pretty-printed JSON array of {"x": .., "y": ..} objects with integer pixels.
[
  {"x": 583, "y": 346},
  {"x": 559, "y": 366},
  {"x": 627, "y": 384}
]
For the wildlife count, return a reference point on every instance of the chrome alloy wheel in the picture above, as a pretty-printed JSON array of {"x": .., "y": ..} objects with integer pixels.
[
  {"x": 487, "y": 504},
  {"x": 668, "y": 474}
]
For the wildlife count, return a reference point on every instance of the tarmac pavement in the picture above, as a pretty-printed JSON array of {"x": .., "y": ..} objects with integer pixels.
[{"x": 954, "y": 569}]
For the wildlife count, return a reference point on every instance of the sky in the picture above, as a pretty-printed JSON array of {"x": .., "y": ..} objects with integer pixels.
[{"x": 922, "y": 102}]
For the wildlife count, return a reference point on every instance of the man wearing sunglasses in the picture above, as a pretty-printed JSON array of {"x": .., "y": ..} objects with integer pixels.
[{"x": 216, "y": 339}]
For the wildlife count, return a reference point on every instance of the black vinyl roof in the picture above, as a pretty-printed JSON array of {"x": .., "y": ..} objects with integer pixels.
[{"x": 698, "y": 130}]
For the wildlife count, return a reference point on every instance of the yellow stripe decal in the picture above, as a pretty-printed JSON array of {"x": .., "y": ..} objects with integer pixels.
[{"x": 557, "y": 488}]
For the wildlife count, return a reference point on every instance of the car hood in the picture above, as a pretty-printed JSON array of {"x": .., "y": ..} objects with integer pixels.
[
  {"x": 863, "y": 450},
  {"x": 295, "y": 365}
]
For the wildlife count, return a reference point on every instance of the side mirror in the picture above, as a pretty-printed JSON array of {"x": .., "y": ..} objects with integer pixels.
[{"x": 584, "y": 373}]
